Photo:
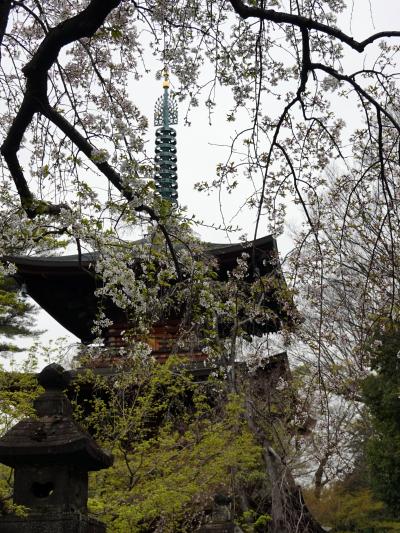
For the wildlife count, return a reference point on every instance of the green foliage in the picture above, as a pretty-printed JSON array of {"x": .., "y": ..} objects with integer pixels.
[
  {"x": 252, "y": 522},
  {"x": 6, "y": 490},
  {"x": 17, "y": 316},
  {"x": 381, "y": 393},
  {"x": 17, "y": 393},
  {"x": 346, "y": 511},
  {"x": 261, "y": 524},
  {"x": 176, "y": 444}
]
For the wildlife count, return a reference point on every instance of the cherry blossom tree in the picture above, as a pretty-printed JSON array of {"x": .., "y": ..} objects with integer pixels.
[{"x": 65, "y": 89}]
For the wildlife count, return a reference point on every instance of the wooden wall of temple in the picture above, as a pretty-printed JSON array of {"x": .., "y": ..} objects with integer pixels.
[{"x": 164, "y": 339}]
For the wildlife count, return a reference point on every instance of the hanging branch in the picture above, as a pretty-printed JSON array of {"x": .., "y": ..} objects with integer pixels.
[
  {"x": 305, "y": 23},
  {"x": 307, "y": 66},
  {"x": 5, "y": 7},
  {"x": 35, "y": 100}
]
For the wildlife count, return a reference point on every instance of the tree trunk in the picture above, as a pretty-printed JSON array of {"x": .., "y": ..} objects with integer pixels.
[
  {"x": 318, "y": 485},
  {"x": 289, "y": 511}
]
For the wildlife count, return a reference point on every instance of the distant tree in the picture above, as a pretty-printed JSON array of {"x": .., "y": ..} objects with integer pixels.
[
  {"x": 382, "y": 396},
  {"x": 17, "y": 316},
  {"x": 348, "y": 284},
  {"x": 17, "y": 392},
  {"x": 344, "y": 510},
  {"x": 348, "y": 502}
]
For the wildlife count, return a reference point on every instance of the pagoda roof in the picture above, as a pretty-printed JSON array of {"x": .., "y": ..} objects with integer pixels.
[
  {"x": 64, "y": 286},
  {"x": 223, "y": 251}
]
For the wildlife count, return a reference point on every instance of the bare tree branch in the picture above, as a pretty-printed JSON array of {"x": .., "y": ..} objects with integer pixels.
[
  {"x": 5, "y": 6},
  {"x": 305, "y": 23},
  {"x": 84, "y": 24}
]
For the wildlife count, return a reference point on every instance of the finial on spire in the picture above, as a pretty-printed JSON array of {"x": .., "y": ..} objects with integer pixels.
[
  {"x": 166, "y": 78},
  {"x": 165, "y": 114},
  {"x": 165, "y": 110}
]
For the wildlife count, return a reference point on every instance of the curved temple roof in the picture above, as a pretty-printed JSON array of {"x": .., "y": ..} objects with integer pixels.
[{"x": 64, "y": 286}]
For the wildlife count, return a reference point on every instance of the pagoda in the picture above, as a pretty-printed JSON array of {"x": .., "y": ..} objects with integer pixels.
[
  {"x": 66, "y": 286},
  {"x": 166, "y": 115}
]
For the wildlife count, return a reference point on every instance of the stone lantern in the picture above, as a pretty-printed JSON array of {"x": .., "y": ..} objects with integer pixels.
[
  {"x": 51, "y": 456},
  {"x": 220, "y": 518}
]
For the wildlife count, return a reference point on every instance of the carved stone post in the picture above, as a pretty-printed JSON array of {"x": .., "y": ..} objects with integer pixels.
[{"x": 51, "y": 456}]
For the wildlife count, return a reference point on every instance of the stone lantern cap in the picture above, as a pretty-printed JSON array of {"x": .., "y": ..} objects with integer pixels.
[{"x": 53, "y": 437}]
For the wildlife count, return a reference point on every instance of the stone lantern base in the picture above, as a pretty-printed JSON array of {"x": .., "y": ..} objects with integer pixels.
[{"x": 51, "y": 523}]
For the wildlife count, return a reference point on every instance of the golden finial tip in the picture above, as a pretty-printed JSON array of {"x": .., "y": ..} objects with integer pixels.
[{"x": 166, "y": 79}]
